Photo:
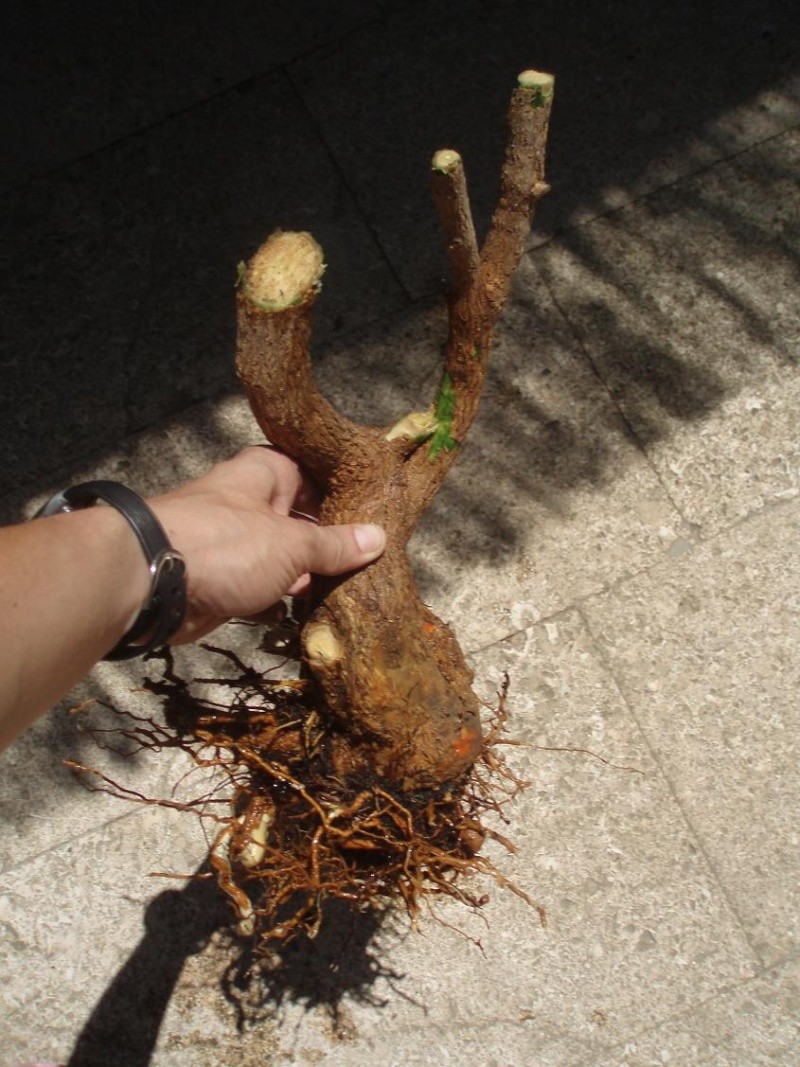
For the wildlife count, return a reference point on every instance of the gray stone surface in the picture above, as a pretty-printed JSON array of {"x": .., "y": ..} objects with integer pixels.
[
  {"x": 757, "y": 1022},
  {"x": 705, "y": 649},
  {"x": 89, "y": 894},
  {"x": 620, "y": 534},
  {"x": 688, "y": 306},
  {"x": 637, "y": 927},
  {"x": 645, "y": 95}
]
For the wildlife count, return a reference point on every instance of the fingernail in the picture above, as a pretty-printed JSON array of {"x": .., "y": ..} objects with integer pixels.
[{"x": 370, "y": 538}]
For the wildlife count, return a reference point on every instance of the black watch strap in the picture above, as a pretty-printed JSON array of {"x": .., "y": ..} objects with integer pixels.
[{"x": 165, "y": 607}]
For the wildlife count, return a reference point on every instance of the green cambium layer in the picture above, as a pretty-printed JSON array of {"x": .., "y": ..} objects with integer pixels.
[
  {"x": 539, "y": 85},
  {"x": 445, "y": 411},
  {"x": 540, "y": 97}
]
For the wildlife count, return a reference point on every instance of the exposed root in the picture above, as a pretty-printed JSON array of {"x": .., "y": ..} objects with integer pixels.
[{"x": 290, "y": 835}]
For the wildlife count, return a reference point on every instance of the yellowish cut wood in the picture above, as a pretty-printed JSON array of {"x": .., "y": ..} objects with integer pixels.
[
  {"x": 284, "y": 270},
  {"x": 536, "y": 79}
]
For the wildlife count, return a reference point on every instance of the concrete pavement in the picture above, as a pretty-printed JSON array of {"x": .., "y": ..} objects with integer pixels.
[{"x": 620, "y": 534}]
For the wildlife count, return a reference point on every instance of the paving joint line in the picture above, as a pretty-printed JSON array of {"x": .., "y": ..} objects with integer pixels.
[
  {"x": 712, "y": 867},
  {"x": 66, "y": 841},
  {"x": 154, "y": 124},
  {"x": 339, "y": 171},
  {"x": 728, "y": 987}
]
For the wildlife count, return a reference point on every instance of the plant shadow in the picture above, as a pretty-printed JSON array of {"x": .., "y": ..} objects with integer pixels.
[
  {"x": 344, "y": 960},
  {"x": 124, "y": 1025}
]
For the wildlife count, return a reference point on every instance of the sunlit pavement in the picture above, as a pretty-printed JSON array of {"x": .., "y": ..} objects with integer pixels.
[{"x": 619, "y": 537}]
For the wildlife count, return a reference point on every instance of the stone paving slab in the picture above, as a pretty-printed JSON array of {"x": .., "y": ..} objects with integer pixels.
[
  {"x": 637, "y": 927},
  {"x": 42, "y": 804},
  {"x": 70, "y": 919},
  {"x": 688, "y": 306},
  {"x": 119, "y": 272},
  {"x": 77, "y": 77},
  {"x": 640, "y": 103},
  {"x": 705, "y": 650},
  {"x": 755, "y": 1023}
]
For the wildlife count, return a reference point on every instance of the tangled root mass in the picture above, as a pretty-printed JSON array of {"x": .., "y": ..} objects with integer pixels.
[{"x": 289, "y": 835}]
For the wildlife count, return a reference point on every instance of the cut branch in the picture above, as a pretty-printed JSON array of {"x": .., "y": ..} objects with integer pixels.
[
  {"x": 376, "y": 788},
  {"x": 449, "y": 187},
  {"x": 475, "y": 308},
  {"x": 522, "y": 184},
  {"x": 277, "y": 291}
]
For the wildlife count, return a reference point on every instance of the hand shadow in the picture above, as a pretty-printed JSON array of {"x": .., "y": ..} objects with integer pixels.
[{"x": 123, "y": 1028}]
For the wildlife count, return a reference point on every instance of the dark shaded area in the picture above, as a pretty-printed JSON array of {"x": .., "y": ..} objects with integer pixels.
[
  {"x": 682, "y": 391},
  {"x": 634, "y": 83},
  {"x": 123, "y": 1028},
  {"x": 149, "y": 150},
  {"x": 344, "y": 960}
]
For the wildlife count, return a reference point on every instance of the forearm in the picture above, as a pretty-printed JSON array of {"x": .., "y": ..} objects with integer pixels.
[{"x": 70, "y": 586}]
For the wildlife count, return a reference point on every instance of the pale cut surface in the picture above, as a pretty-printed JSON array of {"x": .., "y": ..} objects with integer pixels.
[
  {"x": 446, "y": 159},
  {"x": 284, "y": 269},
  {"x": 535, "y": 79}
]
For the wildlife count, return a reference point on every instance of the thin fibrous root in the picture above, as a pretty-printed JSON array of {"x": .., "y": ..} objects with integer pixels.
[{"x": 295, "y": 835}]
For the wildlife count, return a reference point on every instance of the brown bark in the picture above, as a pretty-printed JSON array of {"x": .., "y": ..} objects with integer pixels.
[{"x": 390, "y": 674}]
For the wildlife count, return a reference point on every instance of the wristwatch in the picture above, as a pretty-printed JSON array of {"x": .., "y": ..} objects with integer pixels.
[{"x": 165, "y": 607}]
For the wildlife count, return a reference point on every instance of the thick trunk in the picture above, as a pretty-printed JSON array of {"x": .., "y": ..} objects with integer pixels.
[
  {"x": 391, "y": 673},
  {"x": 395, "y": 680}
]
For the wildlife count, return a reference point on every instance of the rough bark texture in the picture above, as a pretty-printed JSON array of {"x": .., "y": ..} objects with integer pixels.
[{"x": 390, "y": 674}]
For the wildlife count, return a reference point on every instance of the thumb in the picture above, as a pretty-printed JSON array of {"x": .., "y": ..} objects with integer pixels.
[{"x": 337, "y": 549}]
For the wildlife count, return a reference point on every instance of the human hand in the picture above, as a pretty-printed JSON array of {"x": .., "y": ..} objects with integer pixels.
[{"x": 243, "y": 550}]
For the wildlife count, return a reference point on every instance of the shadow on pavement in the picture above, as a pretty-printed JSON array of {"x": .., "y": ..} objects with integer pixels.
[
  {"x": 124, "y": 1026},
  {"x": 121, "y": 240}
]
